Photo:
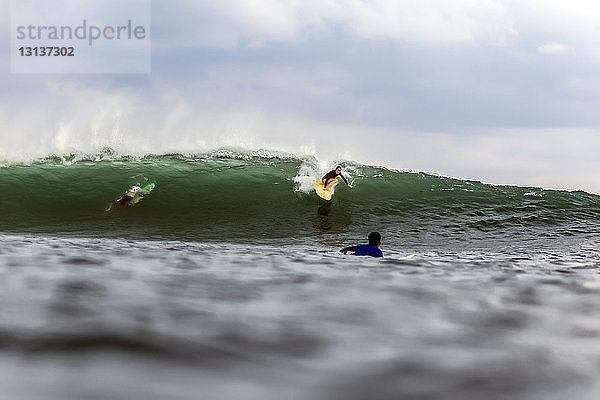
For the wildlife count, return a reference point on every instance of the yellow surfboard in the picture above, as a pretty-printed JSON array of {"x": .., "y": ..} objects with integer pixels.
[{"x": 323, "y": 193}]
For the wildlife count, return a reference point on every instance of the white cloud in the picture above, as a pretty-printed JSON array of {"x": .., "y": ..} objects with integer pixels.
[
  {"x": 552, "y": 48},
  {"x": 448, "y": 21},
  {"x": 232, "y": 23},
  {"x": 573, "y": 24},
  {"x": 581, "y": 14}
]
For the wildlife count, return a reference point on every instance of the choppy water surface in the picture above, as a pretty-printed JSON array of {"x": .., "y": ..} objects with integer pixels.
[{"x": 129, "y": 319}]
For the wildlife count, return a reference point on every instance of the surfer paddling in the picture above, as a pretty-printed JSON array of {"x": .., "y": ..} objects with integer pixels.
[
  {"x": 330, "y": 179},
  {"x": 372, "y": 249}
]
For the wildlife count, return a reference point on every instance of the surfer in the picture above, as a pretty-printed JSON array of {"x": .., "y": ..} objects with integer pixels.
[
  {"x": 372, "y": 249},
  {"x": 333, "y": 177},
  {"x": 125, "y": 200}
]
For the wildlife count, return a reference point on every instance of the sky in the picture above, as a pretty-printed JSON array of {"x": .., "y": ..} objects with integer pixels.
[{"x": 502, "y": 91}]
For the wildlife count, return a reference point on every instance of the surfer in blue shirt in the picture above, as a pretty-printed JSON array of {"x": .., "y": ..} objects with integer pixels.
[
  {"x": 372, "y": 249},
  {"x": 333, "y": 177}
]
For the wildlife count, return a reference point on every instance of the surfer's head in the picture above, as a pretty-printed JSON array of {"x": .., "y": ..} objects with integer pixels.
[
  {"x": 374, "y": 239},
  {"x": 338, "y": 170}
]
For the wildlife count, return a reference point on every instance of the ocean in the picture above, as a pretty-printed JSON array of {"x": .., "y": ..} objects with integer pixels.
[{"x": 226, "y": 282}]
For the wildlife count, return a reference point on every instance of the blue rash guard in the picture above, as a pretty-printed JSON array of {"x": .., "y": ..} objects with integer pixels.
[{"x": 366, "y": 250}]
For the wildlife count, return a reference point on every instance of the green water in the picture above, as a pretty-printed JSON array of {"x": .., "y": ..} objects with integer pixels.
[{"x": 249, "y": 198}]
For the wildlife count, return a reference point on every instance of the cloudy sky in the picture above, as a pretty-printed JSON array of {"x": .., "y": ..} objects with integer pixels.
[{"x": 501, "y": 91}]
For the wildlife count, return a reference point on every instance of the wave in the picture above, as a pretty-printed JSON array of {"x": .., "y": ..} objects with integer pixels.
[{"x": 226, "y": 195}]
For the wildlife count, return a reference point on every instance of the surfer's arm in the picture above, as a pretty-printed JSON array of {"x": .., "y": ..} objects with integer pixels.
[
  {"x": 347, "y": 184},
  {"x": 349, "y": 248},
  {"x": 325, "y": 178}
]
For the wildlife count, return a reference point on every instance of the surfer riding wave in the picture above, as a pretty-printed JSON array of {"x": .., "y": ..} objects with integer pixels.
[{"x": 330, "y": 179}]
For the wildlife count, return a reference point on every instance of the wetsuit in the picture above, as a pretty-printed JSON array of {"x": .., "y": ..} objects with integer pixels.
[
  {"x": 125, "y": 200},
  {"x": 365, "y": 250},
  {"x": 331, "y": 175}
]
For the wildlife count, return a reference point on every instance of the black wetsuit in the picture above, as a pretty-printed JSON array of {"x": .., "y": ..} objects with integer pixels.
[{"x": 331, "y": 175}]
